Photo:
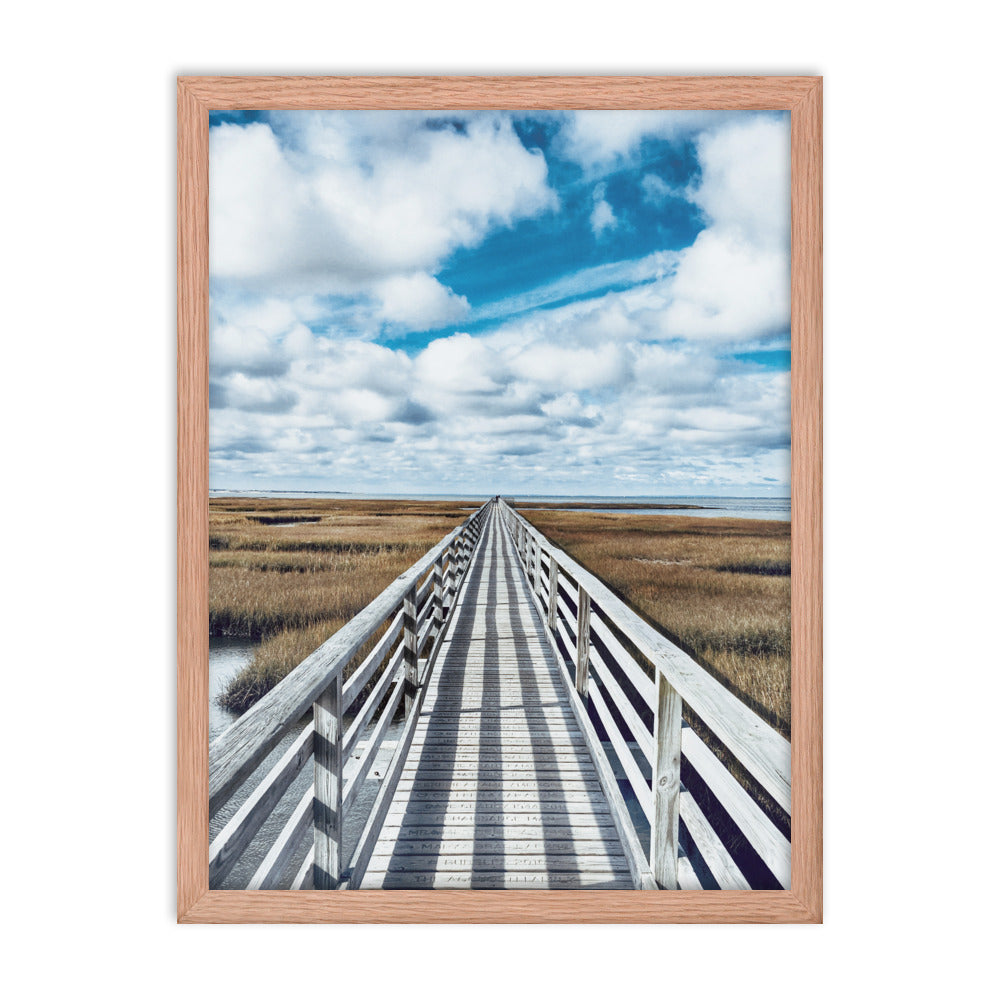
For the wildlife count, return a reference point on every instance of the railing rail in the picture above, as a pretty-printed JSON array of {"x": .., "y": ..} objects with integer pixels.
[
  {"x": 647, "y": 734},
  {"x": 406, "y": 624}
]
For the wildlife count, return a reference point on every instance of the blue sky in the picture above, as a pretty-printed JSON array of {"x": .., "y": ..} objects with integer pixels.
[{"x": 553, "y": 302}]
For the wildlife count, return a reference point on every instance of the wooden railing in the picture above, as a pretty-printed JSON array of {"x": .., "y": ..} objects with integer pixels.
[
  {"x": 406, "y": 623},
  {"x": 636, "y": 695}
]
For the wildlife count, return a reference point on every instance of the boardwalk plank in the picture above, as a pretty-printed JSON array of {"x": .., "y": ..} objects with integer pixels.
[{"x": 498, "y": 789}]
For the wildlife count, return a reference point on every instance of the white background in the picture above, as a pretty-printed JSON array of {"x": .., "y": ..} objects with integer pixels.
[{"x": 911, "y": 554}]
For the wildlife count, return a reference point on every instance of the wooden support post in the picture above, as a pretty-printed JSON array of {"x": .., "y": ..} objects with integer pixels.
[
  {"x": 410, "y": 648},
  {"x": 582, "y": 641},
  {"x": 438, "y": 597},
  {"x": 328, "y": 786},
  {"x": 538, "y": 568},
  {"x": 553, "y": 608},
  {"x": 666, "y": 785}
]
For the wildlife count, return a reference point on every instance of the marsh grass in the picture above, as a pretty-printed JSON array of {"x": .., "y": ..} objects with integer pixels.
[{"x": 292, "y": 572}]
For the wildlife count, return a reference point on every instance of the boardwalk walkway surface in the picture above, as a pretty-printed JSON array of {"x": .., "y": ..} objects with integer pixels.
[{"x": 498, "y": 789}]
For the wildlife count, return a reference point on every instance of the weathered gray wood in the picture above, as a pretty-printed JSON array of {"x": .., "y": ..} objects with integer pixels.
[
  {"x": 498, "y": 826},
  {"x": 237, "y": 752},
  {"x": 765, "y": 838},
  {"x": 640, "y": 734},
  {"x": 764, "y": 752},
  {"x": 374, "y": 699},
  {"x": 632, "y": 772},
  {"x": 368, "y": 755},
  {"x": 723, "y": 868},
  {"x": 496, "y": 863},
  {"x": 303, "y": 880},
  {"x": 438, "y": 595},
  {"x": 622, "y": 659},
  {"x": 234, "y": 837},
  {"x": 582, "y": 642},
  {"x": 328, "y": 807},
  {"x": 355, "y": 684},
  {"x": 496, "y": 880},
  {"x": 410, "y": 649},
  {"x": 268, "y": 875},
  {"x": 664, "y": 826},
  {"x": 552, "y": 608},
  {"x": 686, "y": 876},
  {"x": 639, "y": 873}
]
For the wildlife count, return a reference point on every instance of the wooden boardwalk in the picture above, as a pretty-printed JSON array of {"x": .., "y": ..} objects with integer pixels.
[
  {"x": 541, "y": 743},
  {"x": 498, "y": 789}
]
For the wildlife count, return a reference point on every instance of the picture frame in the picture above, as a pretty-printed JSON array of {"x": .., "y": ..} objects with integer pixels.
[{"x": 196, "y": 96}]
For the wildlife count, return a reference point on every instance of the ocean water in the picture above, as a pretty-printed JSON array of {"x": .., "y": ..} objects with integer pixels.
[{"x": 759, "y": 508}]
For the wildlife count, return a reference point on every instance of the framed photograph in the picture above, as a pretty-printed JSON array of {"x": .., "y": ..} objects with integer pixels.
[{"x": 499, "y": 499}]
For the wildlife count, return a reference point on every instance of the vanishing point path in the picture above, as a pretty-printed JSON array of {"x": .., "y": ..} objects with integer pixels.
[{"x": 498, "y": 789}]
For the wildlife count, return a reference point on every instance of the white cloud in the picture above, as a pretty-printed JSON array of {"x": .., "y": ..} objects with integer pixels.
[
  {"x": 745, "y": 180},
  {"x": 602, "y": 217},
  {"x": 329, "y": 217},
  {"x": 599, "y": 140},
  {"x": 734, "y": 282},
  {"x": 727, "y": 288},
  {"x": 418, "y": 301},
  {"x": 655, "y": 190}
]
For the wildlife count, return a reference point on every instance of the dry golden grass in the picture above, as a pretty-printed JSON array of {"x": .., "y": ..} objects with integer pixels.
[
  {"x": 720, "y": 587},
  {"x": 292, "y": 572}
]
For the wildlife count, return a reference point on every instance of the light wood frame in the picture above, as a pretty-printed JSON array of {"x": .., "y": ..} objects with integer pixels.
[{"x": 196, "y": 96}]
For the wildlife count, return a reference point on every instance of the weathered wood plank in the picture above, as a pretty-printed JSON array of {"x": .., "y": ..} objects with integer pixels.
[
  {"x": 763, "y": 836},
  {"x": 375, "y": 744},
  {"x": 640, "y": 734},
  {"x": 632, "y": 772},
  {"x": 497, "y": 863},
  {"x": 303, "y": 880},
  {"x": 327, "y": 804},
  {"x": 232, "y": 840},
  {"x": 268, "y": 874},
  {"x": 723, "y": 868},
  {"x": 582, "y": 642},
  {"x": 495, "y": 880},
  {"x": 664, "y": 825},
  {"x": 544, "y": 829},
  {"x": 355, "y": 684},
  {"x": 374, "y": 699},
  {"x": 482, "y": 845}
]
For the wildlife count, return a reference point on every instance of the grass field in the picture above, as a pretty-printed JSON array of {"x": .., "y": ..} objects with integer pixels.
[
  {"x": 720, "y": 587},
  {"x": 292, "y": 572}
]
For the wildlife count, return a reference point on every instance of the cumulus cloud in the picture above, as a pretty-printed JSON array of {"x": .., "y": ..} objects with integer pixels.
[
  {"x": 328, "y": 216},
  {"x": 734, "y": 282},
  {"x": 418, "y": 301},
  {"x": 601, "y": 140}
]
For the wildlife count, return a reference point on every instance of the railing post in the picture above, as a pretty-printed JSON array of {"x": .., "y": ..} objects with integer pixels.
[
  {"x": 538, "y": 568},
  {"x": 328, "y": 782},
  {"x": 553, "y": 592},
  {"x": 438, "y": 596},
  {"x": 666, "y": 784},
  {"x": 410, "y": 648},
  {"x": 582, "y": 641}
]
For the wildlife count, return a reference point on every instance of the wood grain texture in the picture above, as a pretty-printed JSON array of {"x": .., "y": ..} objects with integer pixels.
[
  {"x": 192, "y": 498},
  {"x": 195, "y": 902},
  {"x": 807, "y": 500}
]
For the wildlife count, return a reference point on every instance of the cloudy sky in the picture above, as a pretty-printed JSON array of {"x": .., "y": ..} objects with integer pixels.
[{"x": 549, "y": 302}]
